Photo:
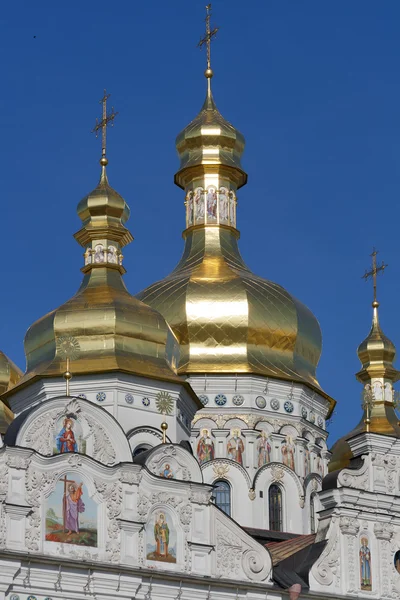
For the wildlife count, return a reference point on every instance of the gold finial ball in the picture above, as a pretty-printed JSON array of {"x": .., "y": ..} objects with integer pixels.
[
  {"x": 375, "y": 304},
  {"x": 164, "y": 426},
  {"x": 67, "y": 375},
  {"x": 103, "y": 161},
  {"x": 208, "y": 73}
]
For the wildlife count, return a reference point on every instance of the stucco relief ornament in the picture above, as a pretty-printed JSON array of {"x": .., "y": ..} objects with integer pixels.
[
  {"x": 252, "y": 494},
  {"x": 112, "y": 493},
  {"x": 355, "y": 479},
  {"x": 74, "y": 460},
  {"x": 221, "y": 470},
  {"x": 185, "y": 514},
  {"x": 103, "y": 450},
  {"x": 39, "y": 437},
  {"x": 327, "y": 568},
  {"x": 3, "y": 481},
  {"x": 254, "y": 565},
  {"x": 277, "y": 473},
  {"x": 228, "y": 550},
  {"x": 349, "y": 525}
]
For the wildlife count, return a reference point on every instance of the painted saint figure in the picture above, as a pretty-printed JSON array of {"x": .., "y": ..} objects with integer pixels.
[
  {"x": 65, "y": 440},
  {"x": 235, "y": 447},
  {"x": 365, "y": 565},
  {"x": 199, "y": 205},
  {"x": 211, "y": 203},
  {"x": 205, "y": 447},
  {"x": 73, "y": 505},
  {"x": 307, "y": 466},
  {"x": 263, "y": 449},
  {"x": 232, "y": 208},
  {"x": 223, "y": 205},
  {"x": 161, "y": 535},
  {"x": 288, "y": 450},
  {"x": 189, "y": 207},
  {"x": 167, "y": 473}
]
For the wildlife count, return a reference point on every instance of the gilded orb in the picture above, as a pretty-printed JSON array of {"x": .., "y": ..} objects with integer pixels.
[
  {"x": 103, "y": 161},
  {"x": 209, "y": 73}
]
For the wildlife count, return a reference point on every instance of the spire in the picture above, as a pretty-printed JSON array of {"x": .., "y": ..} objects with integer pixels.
[
  {"x": 206, "y": 41},
  {"x": 210, "y": 151},
  {"x": 103, "y": 212}
]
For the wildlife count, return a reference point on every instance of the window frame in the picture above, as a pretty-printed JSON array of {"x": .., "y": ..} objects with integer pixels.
[{"x": 228, "y": 490}]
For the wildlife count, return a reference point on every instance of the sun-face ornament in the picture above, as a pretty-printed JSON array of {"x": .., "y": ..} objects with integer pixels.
[
  {"x": 164, "y": 403},
  {"x": 68, "y": 347}
]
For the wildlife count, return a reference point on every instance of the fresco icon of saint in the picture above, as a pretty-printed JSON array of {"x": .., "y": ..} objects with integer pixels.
[
  {"x": 71, "y": 515},
  {"x": 365, "y": 565},
  {"x": 68, "y": 436},
  {"x": 163, "y": 545},
  {"x": 205, "y": 447},
  {"x": 167, "y": 472}
]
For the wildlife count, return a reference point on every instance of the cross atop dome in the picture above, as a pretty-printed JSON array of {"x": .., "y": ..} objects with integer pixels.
[
  {"x": 101, "y": 125},
  {"x": 206, "y": 41}
]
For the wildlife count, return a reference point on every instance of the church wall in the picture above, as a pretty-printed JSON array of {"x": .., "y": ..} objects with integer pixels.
[{"x": 252, "y": 441}]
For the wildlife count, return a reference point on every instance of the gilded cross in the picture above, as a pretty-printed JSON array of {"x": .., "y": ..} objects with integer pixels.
[
  {"x": 107, "y": 119},
  {"x": 374, "y": 271},
  {"x": 210, "y": 34}
]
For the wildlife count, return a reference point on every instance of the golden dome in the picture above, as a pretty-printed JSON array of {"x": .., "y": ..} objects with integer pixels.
[
  {"x": 209, "y": 140},
  {"x": 10, "y": 374},
  {"x": 226, "y": 319},
  {"x": 377, "y": 354},
  {"x": 107, "y": 328}
]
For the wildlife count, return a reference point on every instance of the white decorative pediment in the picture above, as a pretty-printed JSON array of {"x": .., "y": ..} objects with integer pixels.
[
  {"x": 174, "y": 462},
  {"x": 74, "y": 425},
  {"x": 237, "y": 555}
]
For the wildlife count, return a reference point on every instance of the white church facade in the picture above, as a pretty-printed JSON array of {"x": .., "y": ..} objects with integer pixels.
[{"x": 173, "y": 445}]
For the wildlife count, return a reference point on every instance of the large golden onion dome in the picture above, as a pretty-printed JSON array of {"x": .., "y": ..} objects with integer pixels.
[
  {"x": 226, "y": 319},
  {"x": 376, "y": 354},
  {"x": 103, "y": 327}
]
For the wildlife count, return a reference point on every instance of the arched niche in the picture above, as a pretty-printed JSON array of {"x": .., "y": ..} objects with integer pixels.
[
  {"x": 293, "y": 495},
  {"x": 238, "y": 479},
  {"x": 164, "y": 544},
  {"x": 144, "y": 436},
  {"x": 171, "y": 461},
  {"x": 70, "y": 425}
]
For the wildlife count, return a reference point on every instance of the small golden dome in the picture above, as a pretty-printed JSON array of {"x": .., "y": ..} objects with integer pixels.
[
  {"x": 208, "y": 144},
  {"x": 111, "y": 329},
  {"x": 376, "y": 354}
]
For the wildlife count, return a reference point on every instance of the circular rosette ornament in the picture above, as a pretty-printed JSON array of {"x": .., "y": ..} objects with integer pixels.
[
  {"x": 68, "y": 347},
  {"x": 164, "y": 403}
]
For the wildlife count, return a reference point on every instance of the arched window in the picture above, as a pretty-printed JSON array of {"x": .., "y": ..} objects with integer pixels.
[
  {"x": 312, "y": 513},
  {"x": 222, "y": 496},
  {"x": 275, "y": 508},
  {"x": 141, "y": 448}
]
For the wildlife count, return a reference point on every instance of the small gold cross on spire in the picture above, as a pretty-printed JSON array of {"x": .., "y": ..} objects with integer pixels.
[
  {"x": 207, "y": 39},
  {"x": 107, "y": 119},
  {"x": 374, "y": 271}
]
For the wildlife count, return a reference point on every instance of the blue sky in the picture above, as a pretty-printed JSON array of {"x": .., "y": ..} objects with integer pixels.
[{"x": 314, "y": 87}]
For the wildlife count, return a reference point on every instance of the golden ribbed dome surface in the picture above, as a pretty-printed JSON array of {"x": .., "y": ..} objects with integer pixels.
[{"x": 228, "y": 320}]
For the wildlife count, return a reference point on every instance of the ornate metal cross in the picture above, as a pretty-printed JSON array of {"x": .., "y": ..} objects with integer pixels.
[
  {"x": 107, "y": 119},
  {"x": 210, "y": 34},
  {"x": 374, "y": 271}
]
